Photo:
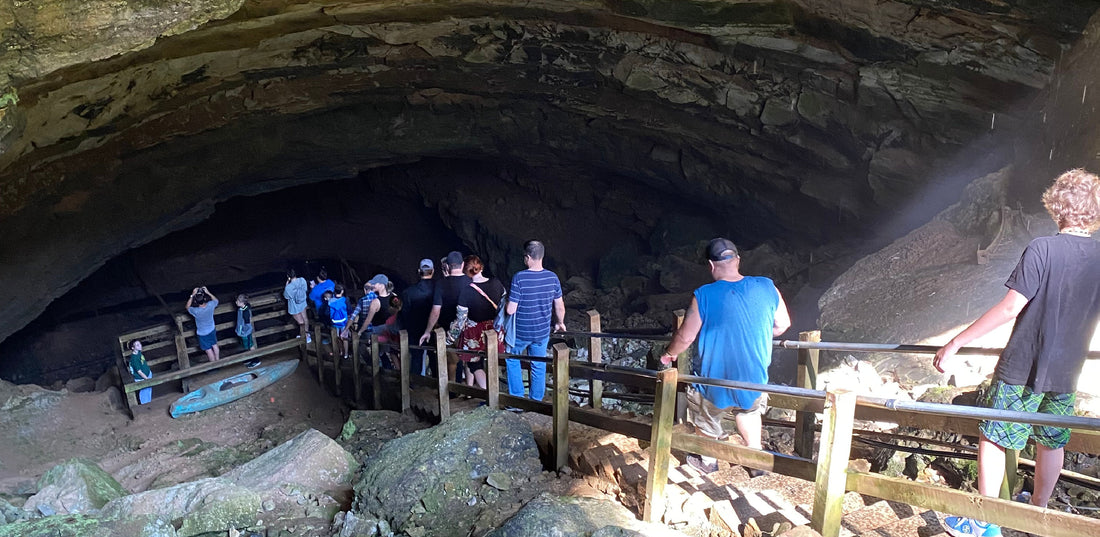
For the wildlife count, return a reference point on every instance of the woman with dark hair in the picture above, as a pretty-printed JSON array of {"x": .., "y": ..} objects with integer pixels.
[{"x": 477, "y": 308}]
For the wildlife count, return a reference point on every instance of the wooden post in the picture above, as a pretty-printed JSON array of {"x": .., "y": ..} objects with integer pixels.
[
  {"x": 183, "y": 359},
  {"x": 595, "y": 356},
  {"x": 682, "y": 368},
  {"x": 376, "y": 372},
  {"x": 664, "y": 409},
  {"x": 492, "y": 369},
  {"x": 1012, "y": 473},
  {"x": 561, "y": 406},
  {"x": 441, "y": 365},
  {"x": 320, "y": 357},
  {"x": 806, "y": 377},
  {"x": 406, "y": 363},
  {"x": 337, "y": 368},
  {"x": 303, "y": 351},
  {"x": 355, "y": 374},
  {"x": 832, "y": 462}
]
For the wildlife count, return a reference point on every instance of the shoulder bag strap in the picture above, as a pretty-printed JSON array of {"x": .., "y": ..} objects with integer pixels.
[{"x": 482, "y": 293}]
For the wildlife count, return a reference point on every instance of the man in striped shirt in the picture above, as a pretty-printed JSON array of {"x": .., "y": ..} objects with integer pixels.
[{"x": 535, "y": 299}]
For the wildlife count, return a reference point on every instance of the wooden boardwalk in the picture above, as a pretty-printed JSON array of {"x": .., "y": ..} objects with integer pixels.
[{"x": 718, "y": 504}]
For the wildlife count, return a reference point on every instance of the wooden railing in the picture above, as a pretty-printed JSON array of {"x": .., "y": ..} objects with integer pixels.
[
  {"x": 827, "y": 466},
  {"x": 170, "y": 347},
  {"x": 829, "y": 470}
]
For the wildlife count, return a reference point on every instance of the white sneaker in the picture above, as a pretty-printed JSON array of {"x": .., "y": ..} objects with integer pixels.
[
  {"x": 968, "y": 527},
  {"x": 309, "y": 339}
]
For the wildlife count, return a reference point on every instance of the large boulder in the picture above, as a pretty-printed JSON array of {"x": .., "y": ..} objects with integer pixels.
[
  {"x": 308, "y": 475},
  {"x": 438, "y": 480},
  {"x": 206, "y": 505},
  {"x": 89, "y": 526},
  {"x": 310, "y": 460},
  {"x": 77, "y": 486},
  {"x": 10, "y": 513},
  {"x": 567, "y": 516}
]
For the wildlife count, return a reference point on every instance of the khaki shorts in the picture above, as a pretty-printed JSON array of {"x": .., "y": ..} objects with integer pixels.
[{"x": 707, "y": 418}]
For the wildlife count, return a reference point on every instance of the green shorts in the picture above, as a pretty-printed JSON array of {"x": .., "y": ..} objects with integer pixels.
[{"x": 1010, "y": 435}]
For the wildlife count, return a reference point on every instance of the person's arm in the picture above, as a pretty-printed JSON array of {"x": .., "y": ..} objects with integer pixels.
[
  {"x": 192, "y": 297},
  {"x": 375, "y": 305},
  {"x": 782, "y": 317},
  {"x": 354, "y": 316},
  {"x": 209, "y": 294},
  {"x": 143, "y": 375},
  {"x": 514, "y": 295},
  {"x": 432, "y": 319},
  {"x": 1006, "y": 310},
  {"x": 559, "y": 312},
  {"x": 685, "y": 335}
]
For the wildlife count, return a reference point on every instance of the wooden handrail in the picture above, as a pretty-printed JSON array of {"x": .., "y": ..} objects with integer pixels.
[{"x": 210, "y": 366}]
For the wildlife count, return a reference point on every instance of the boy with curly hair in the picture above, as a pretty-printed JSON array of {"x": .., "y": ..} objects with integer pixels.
[{"x": 1054, "y": 297}]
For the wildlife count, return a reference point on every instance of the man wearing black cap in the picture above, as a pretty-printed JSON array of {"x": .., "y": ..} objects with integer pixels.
[
  {"x": 417, "y": 308},
  {"x": 735, "y": 319},
  {"x": 444, "y": 303}
]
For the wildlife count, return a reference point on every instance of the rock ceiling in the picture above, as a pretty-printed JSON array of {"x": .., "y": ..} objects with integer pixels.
[{"x": 123, "y": 121}]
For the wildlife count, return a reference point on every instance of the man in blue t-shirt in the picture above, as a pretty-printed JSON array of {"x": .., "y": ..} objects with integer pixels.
[
  {"x": 735, "y": 318},
  {"x": 535, "y": 299}
]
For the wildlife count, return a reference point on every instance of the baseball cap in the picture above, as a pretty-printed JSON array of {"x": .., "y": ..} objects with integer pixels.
[
  {"x": 379, "y": 279},
  {"x": 426, "y": 264},
  {"x": 454, "y": 260},
  {"x": 718, "y": 246}
]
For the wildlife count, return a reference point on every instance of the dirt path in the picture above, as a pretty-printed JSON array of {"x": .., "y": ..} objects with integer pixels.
[{"x": 41, "y": 428}]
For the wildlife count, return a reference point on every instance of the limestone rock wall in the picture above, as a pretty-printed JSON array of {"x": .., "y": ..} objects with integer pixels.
[{"x": 808, "y": 120}]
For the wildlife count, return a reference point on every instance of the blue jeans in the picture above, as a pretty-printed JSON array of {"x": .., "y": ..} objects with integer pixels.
[{"x": 538, "y": 369}]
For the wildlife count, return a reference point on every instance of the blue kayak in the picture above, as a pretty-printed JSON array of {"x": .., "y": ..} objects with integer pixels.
[{"x": 230, "y": 389}]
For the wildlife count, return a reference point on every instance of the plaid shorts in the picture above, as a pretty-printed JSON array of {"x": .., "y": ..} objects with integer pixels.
[{"x": 1010, "y": 435}]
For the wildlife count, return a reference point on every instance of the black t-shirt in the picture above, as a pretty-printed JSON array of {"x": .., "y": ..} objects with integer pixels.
[
  {"x": 417, "y": 307},
  {"x": 385, "y": 309},
  {"x": 446, "y": 295},
  {"x": 480, "y": 309},
  {"x": 1060, "y": 276}
]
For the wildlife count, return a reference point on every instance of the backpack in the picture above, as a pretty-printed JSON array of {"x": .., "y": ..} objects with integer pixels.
[{"x": 244, "y": 326}]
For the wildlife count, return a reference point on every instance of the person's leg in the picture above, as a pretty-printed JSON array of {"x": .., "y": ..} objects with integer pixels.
[
  {"x": 480, "y": 380},
  {"x": 217, "y": 352},
  {"x": 748, "y": 426},
  {"x": 1048, "y": 466},
  {"x": 469, "y": 375},
  {"x": 706, "y": 420},
  {"x": 991, "y": 467},
  {"x": 538, "y": 369},
  {"x": 210, "y": 354},
  {"x": 1050, "y": 443},
  {"x": 514, "y": 368}
]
